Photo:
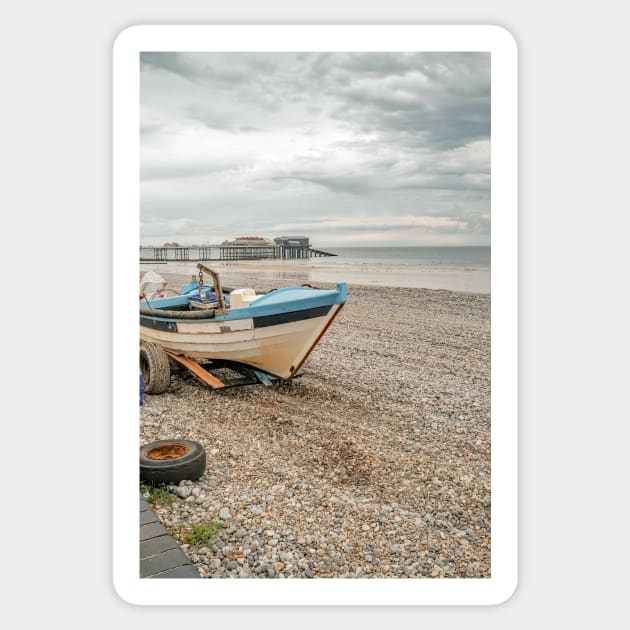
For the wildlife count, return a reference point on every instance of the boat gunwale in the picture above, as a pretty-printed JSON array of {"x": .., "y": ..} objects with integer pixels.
[{"x": 259, "y": 308}]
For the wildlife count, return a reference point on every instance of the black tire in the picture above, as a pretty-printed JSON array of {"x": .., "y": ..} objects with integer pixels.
[
  {"x": 171, "y": 461},
  {"x": 155, "y": 368}
]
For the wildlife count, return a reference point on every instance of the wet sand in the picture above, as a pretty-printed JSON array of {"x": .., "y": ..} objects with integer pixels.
[{"x": 436, "y": 277}]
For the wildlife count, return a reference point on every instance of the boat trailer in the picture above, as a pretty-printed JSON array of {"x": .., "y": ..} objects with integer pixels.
[{"x": 220, "y": 373}]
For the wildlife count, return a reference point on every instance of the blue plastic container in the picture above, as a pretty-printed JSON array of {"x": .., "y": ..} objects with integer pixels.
[{"x": 141, "y": 389}]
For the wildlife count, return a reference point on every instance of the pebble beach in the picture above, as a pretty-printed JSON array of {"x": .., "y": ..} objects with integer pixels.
[{"x": 375, "y": 463}]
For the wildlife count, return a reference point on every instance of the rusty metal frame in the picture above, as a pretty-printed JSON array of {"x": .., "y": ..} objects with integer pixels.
[{"x": 206, "y": 372}]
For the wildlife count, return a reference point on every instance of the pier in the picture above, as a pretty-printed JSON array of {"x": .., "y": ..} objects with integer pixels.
[{"x": 232, "y": 252}]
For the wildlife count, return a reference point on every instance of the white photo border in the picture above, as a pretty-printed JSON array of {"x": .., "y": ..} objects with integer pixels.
[{"x": 504, "y": 312}]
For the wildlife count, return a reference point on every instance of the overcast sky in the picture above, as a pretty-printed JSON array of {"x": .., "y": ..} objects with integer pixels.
[{"x": 346, "y": 148}]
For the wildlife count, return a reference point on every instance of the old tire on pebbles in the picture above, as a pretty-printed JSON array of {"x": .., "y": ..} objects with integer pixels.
[
  {"x": 171, "y": 461},
  {"x": 155, "y": 368}
]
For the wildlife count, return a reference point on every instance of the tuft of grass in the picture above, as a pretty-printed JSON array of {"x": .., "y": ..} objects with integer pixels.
[
  {"x": 156, "y": 495},
  {"x": 198, "y": 534}
]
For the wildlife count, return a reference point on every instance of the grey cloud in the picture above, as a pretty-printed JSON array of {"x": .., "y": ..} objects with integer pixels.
[
  {"x": 444, "y": 125},
  {"x": 335, "y": 183},
  {"x": 148, "y": 129},
  {"x": 443, "y": 97},
  {"x": 192, "y": 66},
  {"x": 173, "y": 62},
  {"x": 180, "y": 171}
]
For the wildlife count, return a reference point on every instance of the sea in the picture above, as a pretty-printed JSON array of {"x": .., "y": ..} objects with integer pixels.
[
  {"x": 465, "y": 269},
  {"x": 453, "y": 268}
]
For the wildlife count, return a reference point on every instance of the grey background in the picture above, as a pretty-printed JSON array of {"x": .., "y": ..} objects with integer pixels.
[{"x": 56, "y": 201}]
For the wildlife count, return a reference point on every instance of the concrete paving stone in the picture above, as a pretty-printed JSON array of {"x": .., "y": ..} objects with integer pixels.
[
  {"x": 148, "y": 516},
  {"x": 152, "y": 530},
  {"x": 157, "y": 545},
  {"x": 186, "y": 571},
  {"x": 163, "y": 561}
]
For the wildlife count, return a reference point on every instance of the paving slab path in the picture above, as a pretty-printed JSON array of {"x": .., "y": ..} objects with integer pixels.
[{"x": 160, "y": 554}]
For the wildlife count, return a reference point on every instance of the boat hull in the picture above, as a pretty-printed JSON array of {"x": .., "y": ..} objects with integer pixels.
[{"x": 274, "y": 340}]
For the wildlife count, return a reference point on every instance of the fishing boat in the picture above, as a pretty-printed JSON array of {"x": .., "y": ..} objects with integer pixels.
[{"x": 272, "y": 333}]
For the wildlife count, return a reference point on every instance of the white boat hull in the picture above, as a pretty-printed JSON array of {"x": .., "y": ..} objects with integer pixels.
[{"x": 279, "y": 349}]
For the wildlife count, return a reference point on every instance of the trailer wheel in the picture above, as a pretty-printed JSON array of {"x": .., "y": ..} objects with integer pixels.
[
  {"x": 171, "y": 461},
  {"x": 155, "y": 368}
]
